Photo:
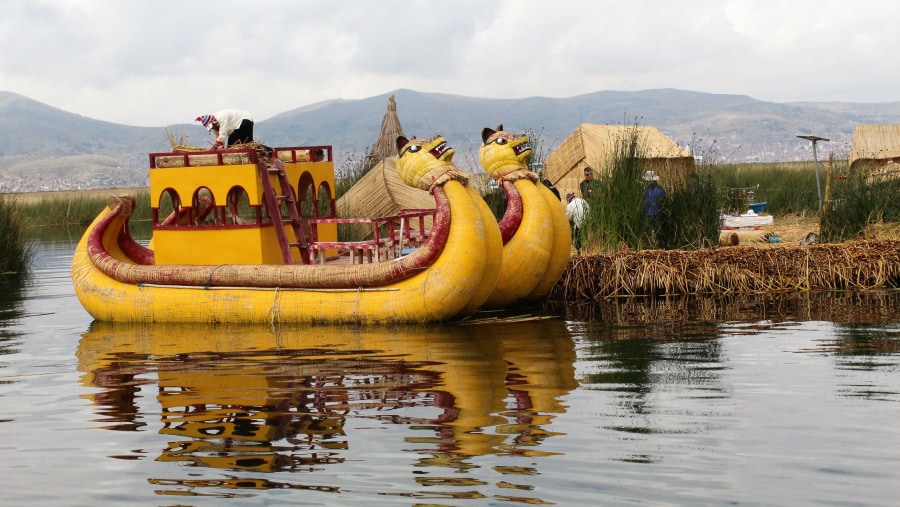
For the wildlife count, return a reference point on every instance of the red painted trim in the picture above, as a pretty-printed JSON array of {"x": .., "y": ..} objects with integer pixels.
[
  {"x": 130, "y": 247},
  {"x": 285, "y": 276},
  {"x": 512, "y": 218},
  {"x": 195, "y": 228},
  {"x": 187, "y": 154}
]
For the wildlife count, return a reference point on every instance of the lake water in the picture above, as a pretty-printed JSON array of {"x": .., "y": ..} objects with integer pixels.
[{"x": 763, "y": 400}]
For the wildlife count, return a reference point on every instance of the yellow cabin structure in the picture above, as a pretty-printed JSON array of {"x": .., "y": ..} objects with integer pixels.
[{"x": 231, "y": 206}]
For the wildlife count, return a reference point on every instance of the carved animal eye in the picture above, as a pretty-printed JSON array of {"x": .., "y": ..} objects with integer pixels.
[
  {"x": 500, "y": 140},
  {"x": 414, "y": 148}
]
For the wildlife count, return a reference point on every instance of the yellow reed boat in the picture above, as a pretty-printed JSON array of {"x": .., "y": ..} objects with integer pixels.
[
  {"x": 536, "y": 236},
  {"x": 244, "y": 236}
]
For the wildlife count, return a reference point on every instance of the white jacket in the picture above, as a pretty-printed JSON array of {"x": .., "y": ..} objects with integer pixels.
[
  {"x": 577, "y": 210},
  {"x": 229, "y": 120}
]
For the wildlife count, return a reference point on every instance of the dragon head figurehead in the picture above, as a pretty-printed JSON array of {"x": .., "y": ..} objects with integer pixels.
[
  {"x": 503, "y": 152},
  {"x": 424, "y": 163}
]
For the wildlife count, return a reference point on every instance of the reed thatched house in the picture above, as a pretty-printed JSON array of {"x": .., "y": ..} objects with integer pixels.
[
  {"x": 876, "y": 151},
  {"x": 595, "y": 146},
  {"x": 381, "y": 192},
  {"x": 386, "y": 144}
]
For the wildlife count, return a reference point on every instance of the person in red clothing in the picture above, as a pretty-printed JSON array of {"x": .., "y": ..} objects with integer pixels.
[{"x": 229, "y": 126}]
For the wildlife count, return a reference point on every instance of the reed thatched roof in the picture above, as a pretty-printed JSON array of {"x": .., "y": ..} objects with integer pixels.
[
  {"x": 595, "y": 145},
  {"x": 875, "y": 143},
  {"x": 876, "y": 150},
  {"x": 381, "y": 192},
  {"x": 386, "y": 144}
]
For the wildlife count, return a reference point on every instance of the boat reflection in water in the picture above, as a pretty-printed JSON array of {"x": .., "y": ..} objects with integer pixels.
[{"x": 250, "y": 400}]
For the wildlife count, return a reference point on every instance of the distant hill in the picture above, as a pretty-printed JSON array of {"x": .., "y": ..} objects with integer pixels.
[{"x": 48, "y": 148}]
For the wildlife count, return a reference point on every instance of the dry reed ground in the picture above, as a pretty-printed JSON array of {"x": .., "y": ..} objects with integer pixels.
[
  {"x": 790, "y": 230},
  {"x": 754, "y": 265},
  {"x": 793, "y": 228}
]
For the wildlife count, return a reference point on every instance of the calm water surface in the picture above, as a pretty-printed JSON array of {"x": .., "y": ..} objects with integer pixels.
[{"x": 790, "y": 400}]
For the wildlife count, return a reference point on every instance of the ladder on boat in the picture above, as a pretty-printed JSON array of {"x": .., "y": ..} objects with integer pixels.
[{"x": 274, "y": 198}]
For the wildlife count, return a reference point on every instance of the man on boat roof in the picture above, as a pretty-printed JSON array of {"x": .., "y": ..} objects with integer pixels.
[{"x": 229, "y": 126}]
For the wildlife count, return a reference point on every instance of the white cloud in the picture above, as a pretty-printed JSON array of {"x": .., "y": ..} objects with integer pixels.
[{"x": 163, "y": 62}]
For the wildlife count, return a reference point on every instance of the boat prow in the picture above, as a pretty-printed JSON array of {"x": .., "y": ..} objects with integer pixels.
[{"x": 536, "y": 234}]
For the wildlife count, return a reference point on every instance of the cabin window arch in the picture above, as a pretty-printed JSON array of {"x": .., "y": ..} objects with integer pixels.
[
  {"x": 169, "y": 208},
  {"x": 325, "y": 200},
  {"x": 306, "y": 195},
  {"x": 238, "y": 210},
  {"x": 203, "y": 208}
]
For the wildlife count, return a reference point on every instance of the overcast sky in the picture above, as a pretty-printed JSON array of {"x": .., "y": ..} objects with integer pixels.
[{"x": 156, "y": 63}]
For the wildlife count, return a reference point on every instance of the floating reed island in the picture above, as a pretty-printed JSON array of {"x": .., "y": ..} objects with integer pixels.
[
  {"x": 854, "y": 265},
  {"x": 628, "y": 317}
]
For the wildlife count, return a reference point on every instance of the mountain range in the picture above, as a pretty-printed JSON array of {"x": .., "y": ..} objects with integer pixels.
[{"x": 46, "y": 148}]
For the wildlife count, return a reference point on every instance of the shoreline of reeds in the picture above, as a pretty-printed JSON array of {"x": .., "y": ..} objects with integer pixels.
[
  {"x": 75, "y": 208},
  {"x": 849, "y": 266},
  {"x": 16, "y": 253}
]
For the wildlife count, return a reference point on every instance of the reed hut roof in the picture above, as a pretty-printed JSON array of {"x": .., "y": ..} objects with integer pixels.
[
  {"x": 875, "y": 143},
  {"x": 386, "y": 144},
  {"x": 591, "y": 143},
  {"x": 381, "y": 192},
  {"x": 876, "y": 152}
]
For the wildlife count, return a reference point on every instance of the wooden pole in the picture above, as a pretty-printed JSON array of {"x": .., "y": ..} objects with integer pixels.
[{"x": 828, "y": 184}]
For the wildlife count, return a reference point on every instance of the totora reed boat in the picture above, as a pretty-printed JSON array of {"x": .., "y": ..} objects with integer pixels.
[
  {"x": 534, "y": 229},
  {"x": 243, "y": 236}
]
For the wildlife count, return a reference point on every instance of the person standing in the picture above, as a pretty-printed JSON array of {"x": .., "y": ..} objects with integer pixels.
[
  {"x": 576, "y": 210},
  {"x": 654, "y": 195},
  {"x": 229, "y": 126},
  {"x": 549, "y": 185},
  {"x": 587, "y": 184}
]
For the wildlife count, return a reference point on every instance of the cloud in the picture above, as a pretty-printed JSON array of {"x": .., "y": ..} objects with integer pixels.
[{"x": 158, "y": 63}]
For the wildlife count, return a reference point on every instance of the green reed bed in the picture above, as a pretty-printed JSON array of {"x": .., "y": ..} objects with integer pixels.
[
  {"x": 16, "y": 253},
  {"x": 348, "y": 174},
  {"x": 616, "y": 205},
  {"x": 787, "y": 187},
  {"x": 691, "y": 214},
  {"x": 853, "y": 201},
  {"x": 76, "y": 209},
  {"x": 857, "y": 202},
  {"x": 688, "y": 215}
]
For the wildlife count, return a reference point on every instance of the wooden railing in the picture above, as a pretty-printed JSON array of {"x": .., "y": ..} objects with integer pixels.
[{"x": 392, "y": 237}]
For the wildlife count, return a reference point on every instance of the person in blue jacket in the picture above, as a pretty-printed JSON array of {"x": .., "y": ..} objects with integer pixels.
[{"x": 654, "y": 196}]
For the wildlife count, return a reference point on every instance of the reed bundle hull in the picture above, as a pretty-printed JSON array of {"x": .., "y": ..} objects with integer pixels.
[{"x": 439, "y": 292}]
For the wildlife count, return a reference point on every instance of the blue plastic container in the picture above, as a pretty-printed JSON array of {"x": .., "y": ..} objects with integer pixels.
[{"x": 758, "y": 207}]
